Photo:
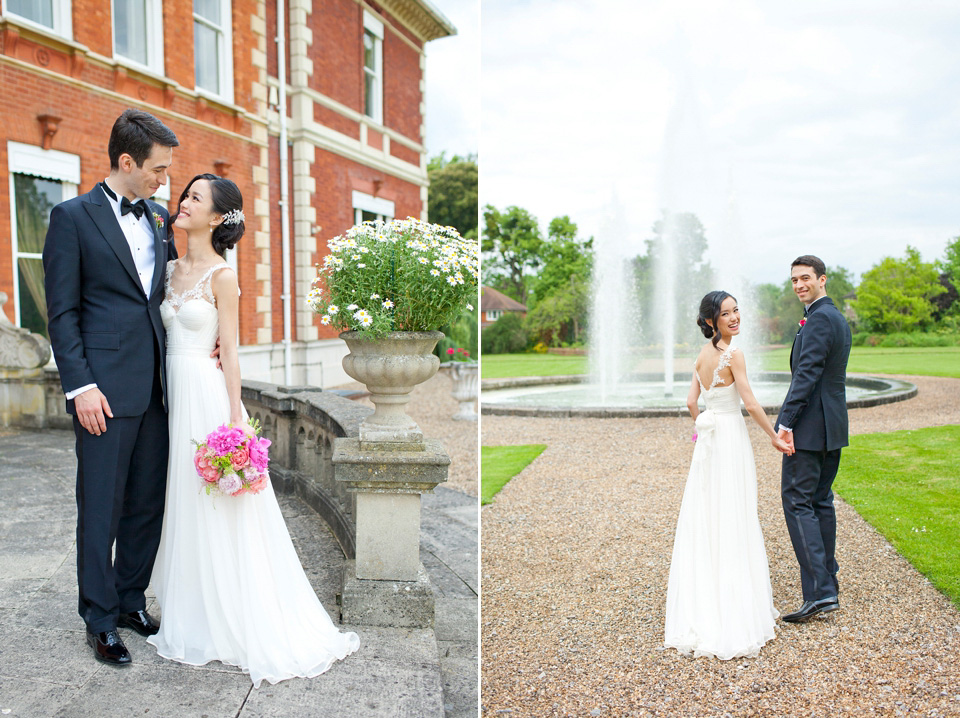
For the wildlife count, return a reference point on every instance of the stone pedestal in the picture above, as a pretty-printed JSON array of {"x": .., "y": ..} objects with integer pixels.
[
  {"x": 22, "y": 354},
  {"x": 387, "y": 571},
  {"x": 403, "y": 604}
]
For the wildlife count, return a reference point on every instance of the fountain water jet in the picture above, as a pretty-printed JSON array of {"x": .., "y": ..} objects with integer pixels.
[{"x": 613, "y": 314}]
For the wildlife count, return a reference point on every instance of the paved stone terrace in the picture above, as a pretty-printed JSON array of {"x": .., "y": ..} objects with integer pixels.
[
  {"x": 576, "y": 553},
  {"x": 46, "y": 668}
]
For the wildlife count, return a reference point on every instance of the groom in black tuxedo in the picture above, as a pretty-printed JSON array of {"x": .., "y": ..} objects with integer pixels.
[
  {"x": 813, "y": 420},
  {"x": 104, "y": 261}
]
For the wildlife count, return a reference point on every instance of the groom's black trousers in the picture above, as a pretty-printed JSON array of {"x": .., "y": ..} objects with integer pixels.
[
  {"x": 121, "y": 482},
  {"x": 806, "y": 490}
]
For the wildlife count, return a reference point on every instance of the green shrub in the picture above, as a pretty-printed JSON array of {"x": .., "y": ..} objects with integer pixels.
[
  {"x": 907, "y": 339},
  {"x": 505, "y": 336}
]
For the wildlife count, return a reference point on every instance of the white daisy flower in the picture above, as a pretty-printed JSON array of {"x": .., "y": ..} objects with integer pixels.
[
  {"x": 423, "y": 260},
  {"x": 387, "y": 304},
  {"x": 333, "y": 309},
  {"x": 374, "y": 296},
  {"x": 451, "y": 280},
  {"x": 352, "y": 307},
  {"x": 435, "y": 272},
  {"x": 325, "y": 319},
  {"x": 363, "y": 317}
]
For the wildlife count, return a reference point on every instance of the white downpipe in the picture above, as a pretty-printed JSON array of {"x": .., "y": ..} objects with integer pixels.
[{"x": 284, "y": 193}]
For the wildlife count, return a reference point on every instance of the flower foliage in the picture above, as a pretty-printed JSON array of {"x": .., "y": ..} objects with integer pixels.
[
  {"x": 401, "y": 275},
  {"x": 457, "y": 354},
  {"x": 233, "y": 461}
]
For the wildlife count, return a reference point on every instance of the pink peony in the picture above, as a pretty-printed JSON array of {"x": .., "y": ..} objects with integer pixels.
[
  {"x": 257, "y": 485},
  {"x": 230, "y": 484},
  {"x": 240, "y": 458},
  {"x": 208, "y": 472},
  {"x": 450, "y": 350},
  {"x": 225, "y": 439},
  {"x": 258, "y": 453}
]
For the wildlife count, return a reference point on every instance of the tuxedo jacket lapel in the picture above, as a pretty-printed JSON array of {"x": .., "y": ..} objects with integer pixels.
[
  {"x": 160, "y": 254},
  {"x": 102, "y": 215}
]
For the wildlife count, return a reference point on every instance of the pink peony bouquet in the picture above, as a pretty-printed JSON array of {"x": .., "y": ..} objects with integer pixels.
[{"x": 233, "y": 461}]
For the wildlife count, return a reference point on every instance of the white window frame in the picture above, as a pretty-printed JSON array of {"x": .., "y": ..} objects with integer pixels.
[
  {"x": 362, "y": 202},
  {"x": 224, "y": 59},
  {"x": 375, "y": 27},
  {"x": 154, "y": 13},
  {"x": 62, "y": 19},
  {"x": 493, "y": 314},
  {"x": 38, "y": 162}
]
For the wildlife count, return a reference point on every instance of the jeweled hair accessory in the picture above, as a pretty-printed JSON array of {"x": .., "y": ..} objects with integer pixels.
[{"x": 234, "y": 216}]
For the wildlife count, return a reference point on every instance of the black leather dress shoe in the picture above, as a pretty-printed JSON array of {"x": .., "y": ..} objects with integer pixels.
[
  {"x": 140, "y": 621},
  {"x": 108, "y": 648},
  {"x": 809, "y": 609}
]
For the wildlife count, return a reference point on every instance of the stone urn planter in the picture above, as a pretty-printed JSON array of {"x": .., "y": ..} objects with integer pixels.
[
  {"x": 390, "y": 367},
  {"x": 466, "y": 380}
]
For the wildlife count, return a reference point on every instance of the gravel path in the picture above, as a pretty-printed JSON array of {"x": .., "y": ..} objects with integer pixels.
[
  {"x": 575, "y": 558},
  {"x": 431, "y": 406}
]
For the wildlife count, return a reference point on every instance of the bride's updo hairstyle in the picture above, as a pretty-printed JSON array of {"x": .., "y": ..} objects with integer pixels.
[
  {"x": 227, "y": 202},
  {"x": 710, "y": 309}
]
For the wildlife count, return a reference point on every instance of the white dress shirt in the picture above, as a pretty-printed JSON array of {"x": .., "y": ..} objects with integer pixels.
[{"x": 139, "y": 236}]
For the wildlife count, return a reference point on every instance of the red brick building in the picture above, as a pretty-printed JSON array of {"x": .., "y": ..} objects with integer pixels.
[{"x": 354, "y": 133}]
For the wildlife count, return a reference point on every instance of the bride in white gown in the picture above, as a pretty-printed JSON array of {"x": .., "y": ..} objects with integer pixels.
[
  {"x": 719, "y": 598},
  {"x": 227, "y": 577}
]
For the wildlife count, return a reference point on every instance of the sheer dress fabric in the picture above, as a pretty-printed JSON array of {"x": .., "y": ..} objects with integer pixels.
[
  {"x": 228, "y": 579},
  {"x": 719, "y": 597}
]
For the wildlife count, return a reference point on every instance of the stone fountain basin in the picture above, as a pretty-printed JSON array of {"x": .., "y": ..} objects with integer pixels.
[{"x": 643, "y": 395}]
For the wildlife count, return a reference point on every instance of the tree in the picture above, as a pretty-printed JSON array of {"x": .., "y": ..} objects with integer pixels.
[
  {"x": 779, "y": 309},
  {"x": 511, "y": 242},
  {"x": 563, "y": 256},
  {"x": 948, "y": 303},
  {"x": 505, "y": 336},
  {"x": 839, "y": 285},
  {"x": 693, "y": 275},
  {"x": 950, "y": 264},
  {"x": 894, "y": 295},
  {"x": 453, "y": 199},
  {"x": 558, "y": 317}
]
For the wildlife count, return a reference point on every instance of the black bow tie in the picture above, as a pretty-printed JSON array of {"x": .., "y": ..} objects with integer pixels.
[{"x": 126, "y": 206}]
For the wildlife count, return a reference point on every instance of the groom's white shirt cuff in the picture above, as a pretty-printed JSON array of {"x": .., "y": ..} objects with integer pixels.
[
  {"x": 77, "y": 392},
  {"x": 781, "y": 427}
]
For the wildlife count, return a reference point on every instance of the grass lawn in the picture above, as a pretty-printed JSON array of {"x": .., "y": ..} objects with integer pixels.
[
  {"x": 906, "y": 484},
  {"x": 923, "y": 361},
  {"x": 499, "y": 464},
  {"x": 502, "y": 366}
]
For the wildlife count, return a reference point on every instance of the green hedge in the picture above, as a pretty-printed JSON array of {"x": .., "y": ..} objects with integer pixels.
[{"x": 907, "y": 339}]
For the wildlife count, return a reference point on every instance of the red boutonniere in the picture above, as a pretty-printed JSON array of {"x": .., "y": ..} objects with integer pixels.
[
  {"x": 158, "y": 220},
  {"x": 802, "y": 322}
]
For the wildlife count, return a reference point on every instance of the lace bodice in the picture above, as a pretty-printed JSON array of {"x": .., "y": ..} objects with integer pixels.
[
  {"x": 719, "y": 396},
  {"x": 201, "y": 290},
  {"x": 190, "y": 318}
]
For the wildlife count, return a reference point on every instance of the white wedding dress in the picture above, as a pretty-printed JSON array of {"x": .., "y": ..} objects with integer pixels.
[
  {"x": 227, "y": 577},
  {"x": 719, "y": 598}
]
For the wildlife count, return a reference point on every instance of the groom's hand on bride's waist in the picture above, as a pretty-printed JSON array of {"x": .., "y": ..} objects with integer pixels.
[
  {"x": 91, "y": 407},
  {"x": 215, "y": 354}
]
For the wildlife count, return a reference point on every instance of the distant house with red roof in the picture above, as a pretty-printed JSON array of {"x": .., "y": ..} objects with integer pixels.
[{"x": 493, "y": 304}]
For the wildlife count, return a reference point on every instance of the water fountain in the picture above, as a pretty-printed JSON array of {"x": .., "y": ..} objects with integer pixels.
[{"x": 615, "y": 387}]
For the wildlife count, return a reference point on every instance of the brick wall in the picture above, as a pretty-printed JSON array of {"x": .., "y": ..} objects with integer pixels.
[{"x": 336, "y": 179}]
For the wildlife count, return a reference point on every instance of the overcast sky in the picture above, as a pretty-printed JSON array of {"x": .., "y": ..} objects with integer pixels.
[
  {"x": 829, "y": 127},
  {"x": 453, "y": 82}
]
